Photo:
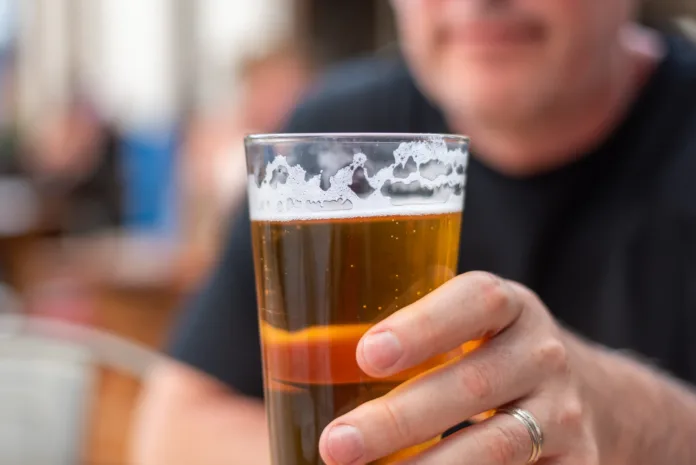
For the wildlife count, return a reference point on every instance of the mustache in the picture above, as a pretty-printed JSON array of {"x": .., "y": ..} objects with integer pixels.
[{"x": 487, "y": 18}]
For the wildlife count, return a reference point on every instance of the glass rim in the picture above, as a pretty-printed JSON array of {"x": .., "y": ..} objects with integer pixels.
[{"x": 364, "y": 137}]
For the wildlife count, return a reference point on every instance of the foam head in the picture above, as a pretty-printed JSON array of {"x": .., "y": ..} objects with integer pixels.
[{"x": 426, "y": 175}]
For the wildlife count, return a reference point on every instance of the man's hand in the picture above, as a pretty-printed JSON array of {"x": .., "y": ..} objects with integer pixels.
[{"x": 527, "y": 361}]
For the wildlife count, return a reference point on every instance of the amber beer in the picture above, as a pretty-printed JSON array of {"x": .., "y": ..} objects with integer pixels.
[
  {"x": 347, "y": 229},
  {"x": 321, "y": 285}
]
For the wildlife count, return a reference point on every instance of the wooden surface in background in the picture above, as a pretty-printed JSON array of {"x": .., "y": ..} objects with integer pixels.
[{"x": 111, "y": 418}]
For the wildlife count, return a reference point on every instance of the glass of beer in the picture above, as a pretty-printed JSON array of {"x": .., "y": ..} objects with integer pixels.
[{"x": 347, "y": 229}]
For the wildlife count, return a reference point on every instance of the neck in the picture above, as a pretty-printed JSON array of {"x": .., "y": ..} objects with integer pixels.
[{"x": 563, "y": 133}]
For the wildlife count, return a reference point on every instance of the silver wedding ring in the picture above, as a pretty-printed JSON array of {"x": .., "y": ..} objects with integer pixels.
[{"x": 533, "y": 428}]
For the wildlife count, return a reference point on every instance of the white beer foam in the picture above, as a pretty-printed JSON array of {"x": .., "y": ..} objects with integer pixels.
[{"x": 302, "y": 198}]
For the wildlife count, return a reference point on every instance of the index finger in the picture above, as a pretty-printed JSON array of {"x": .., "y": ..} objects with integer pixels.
[{"x": 469, "y": 307}]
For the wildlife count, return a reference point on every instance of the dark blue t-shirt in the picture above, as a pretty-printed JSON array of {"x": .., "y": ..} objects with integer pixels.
[{"x": 608, "y": 242}]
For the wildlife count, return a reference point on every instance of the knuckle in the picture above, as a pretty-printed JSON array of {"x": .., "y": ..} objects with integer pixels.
[
  {"x": 475, "y": 379},
  {"x": 495, "y": 293},
  {"x": 572, "y": 415},
  {"x": 396, "y": 422},
  {"x": 425, "y": 328},
  {"x": 504, "y": 446},
  {"x": 552, "y": 355},
  {"x": 528, "y": 294}
]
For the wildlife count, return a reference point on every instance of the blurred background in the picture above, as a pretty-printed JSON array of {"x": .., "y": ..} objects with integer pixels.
[{"x": 121, "y": 157}]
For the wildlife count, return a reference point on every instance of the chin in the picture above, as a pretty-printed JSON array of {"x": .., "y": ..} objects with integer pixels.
[{"x": 486, "y": 97}]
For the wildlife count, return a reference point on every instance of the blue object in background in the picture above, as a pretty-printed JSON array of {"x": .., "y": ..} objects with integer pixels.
[
  {"x": 149, "y": 158},
  {"x": 8, "y": 22}
]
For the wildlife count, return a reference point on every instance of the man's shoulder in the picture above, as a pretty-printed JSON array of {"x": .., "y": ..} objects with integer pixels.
[{"x": 363, "y": 95}]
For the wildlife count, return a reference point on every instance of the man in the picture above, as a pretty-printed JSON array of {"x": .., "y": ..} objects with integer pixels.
[{"x": 580, "y": 189}]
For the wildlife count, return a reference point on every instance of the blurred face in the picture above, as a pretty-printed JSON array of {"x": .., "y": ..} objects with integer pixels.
[
  {"x": 272, "y": 91},
  {"x": 504, "y": 61}
]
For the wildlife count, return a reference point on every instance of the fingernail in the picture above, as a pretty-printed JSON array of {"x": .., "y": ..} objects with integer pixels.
[
  {"x": 382, "y": 350},
  {"x": 345, "y": 444}
]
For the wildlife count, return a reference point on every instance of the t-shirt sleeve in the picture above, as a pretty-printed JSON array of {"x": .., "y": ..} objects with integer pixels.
[{"x": 218, "y": 329}]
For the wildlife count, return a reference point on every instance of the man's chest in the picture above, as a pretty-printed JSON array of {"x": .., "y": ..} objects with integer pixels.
[{"x": 617, "y": 274}]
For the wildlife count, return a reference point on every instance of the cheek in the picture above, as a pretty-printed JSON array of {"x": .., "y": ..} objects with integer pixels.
[
  {"x": 587, "y": 23},
  {"x": 585, "y": 35},
  {"x": 416, "y": 20}
]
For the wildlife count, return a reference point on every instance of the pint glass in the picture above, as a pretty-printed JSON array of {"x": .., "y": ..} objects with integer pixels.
[{"x": 347, "y": 229}]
